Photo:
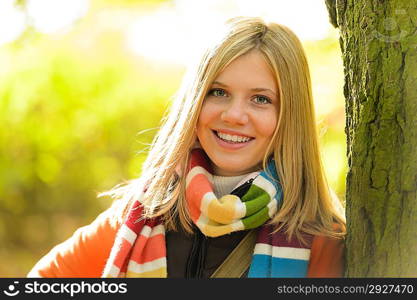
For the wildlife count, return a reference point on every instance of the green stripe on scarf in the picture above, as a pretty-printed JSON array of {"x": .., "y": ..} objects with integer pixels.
[
  {"x": 256, "y": 219},
  {"x": 255, "y": 199}
]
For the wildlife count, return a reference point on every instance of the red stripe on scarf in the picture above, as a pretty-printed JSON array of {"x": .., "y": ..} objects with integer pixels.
[
  {"x": 135, "y": 214},
  {"x": 199, "y": 158},
  {"x": 280, "y": 239},
  {"x": 148, "y": 249},
  {"x": 197, "y": 188},
  {"x": 124, "y": 251}
]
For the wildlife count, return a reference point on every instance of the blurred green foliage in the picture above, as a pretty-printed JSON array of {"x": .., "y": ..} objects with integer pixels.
[
  {"x": 71, "y": 108},
  {"x": 69, "y": 130}
]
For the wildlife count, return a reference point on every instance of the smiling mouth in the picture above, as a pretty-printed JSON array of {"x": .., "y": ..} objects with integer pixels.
[{"x": 233, "y": 139}]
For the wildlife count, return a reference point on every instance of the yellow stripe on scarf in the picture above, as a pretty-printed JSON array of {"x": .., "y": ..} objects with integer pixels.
[
  {"x": 226, "y": 209},
  {"x": 158, "y": 273}
]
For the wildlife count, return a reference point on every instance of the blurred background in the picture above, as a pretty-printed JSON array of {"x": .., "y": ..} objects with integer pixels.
[{"x": 84, "y": 84}]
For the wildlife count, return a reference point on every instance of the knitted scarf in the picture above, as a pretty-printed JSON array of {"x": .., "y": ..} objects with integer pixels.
[{"x": 139, "y": 249}]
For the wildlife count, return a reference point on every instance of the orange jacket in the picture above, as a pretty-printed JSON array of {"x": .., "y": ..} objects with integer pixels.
[{"x": 85, "y": 253}]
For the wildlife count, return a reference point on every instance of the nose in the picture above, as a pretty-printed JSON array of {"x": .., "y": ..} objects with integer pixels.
[{"x": 235, "y": 113}]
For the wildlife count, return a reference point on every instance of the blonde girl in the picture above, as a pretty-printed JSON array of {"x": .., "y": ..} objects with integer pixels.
[{"x": 237, "y": 156}]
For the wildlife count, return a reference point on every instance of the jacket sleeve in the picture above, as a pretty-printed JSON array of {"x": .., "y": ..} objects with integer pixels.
[
  {"x": 84, "y": 254},
  {"x": 327, "y": 257}
]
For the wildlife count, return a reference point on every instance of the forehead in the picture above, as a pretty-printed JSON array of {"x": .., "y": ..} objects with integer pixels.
[{"x": 250, "y": 69}]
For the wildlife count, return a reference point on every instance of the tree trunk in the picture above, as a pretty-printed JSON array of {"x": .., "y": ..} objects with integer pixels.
[{"x": 379, "y": 48}]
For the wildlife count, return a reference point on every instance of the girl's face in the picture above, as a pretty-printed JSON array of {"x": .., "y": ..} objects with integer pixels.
[{"x": 239, "y": 116}]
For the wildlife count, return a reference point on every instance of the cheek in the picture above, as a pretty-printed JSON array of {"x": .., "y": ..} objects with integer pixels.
[
  {"x": 266, "y": 125},
  {"x": 203, "y": 121},
  {"x": 207, "y": 115}
]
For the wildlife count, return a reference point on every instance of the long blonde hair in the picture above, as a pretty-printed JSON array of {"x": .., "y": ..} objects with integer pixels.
[{"x": 307, "y": 204}]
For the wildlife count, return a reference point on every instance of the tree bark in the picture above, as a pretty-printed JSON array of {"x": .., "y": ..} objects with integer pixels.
[{"x": 378, "y": 40}]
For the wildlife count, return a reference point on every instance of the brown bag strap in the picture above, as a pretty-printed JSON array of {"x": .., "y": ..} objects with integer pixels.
[{"x": 238, "y": 261}]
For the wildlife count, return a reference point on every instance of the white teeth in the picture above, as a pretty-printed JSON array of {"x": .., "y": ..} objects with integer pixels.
[{"x": 233, "y": 138}]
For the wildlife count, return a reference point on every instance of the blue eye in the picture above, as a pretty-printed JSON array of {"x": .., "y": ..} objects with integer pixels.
[
  {"x": 217, "y": 93},
  {"x": 262, "y": 99}
]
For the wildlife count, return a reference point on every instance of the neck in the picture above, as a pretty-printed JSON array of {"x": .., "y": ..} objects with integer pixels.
[
  {"x": 227, "y": 173},
  {"x": 223, "y": 185}
]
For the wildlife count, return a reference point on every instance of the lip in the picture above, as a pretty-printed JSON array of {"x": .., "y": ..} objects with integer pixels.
[
  {"x": 231, "y": 146},
  {"x": 231, "y": 132}
]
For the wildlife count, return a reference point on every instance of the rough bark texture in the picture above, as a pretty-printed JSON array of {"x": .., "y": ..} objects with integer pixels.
[{"x": 379, "y": 47}]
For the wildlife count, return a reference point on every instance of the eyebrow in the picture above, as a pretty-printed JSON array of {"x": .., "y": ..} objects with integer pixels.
[{"x": 254, "y": 89}]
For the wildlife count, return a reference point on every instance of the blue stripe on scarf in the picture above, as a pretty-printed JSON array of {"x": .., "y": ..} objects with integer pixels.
[
  {"x": 260, "y": 266},
  {"x": 265, "y": 266},
  {"x": 287, "y": 267}
]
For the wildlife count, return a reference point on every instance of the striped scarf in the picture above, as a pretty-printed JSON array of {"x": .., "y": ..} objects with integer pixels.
[{"x": 139, "y": 249}]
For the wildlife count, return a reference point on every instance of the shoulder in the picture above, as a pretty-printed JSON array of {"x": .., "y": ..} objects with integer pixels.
[
  {"x": 84, "y": 253},
  {"x": 327, "y": 255}
]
